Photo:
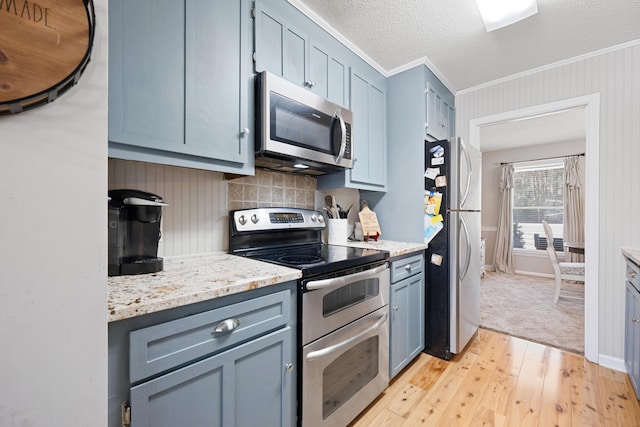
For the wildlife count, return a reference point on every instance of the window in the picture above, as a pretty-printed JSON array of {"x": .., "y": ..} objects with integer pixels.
[{"x": 538, "y": 195}]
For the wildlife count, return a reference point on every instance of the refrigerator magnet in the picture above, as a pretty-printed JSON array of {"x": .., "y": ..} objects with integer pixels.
[
  {"x": 432, "y": 173},
  {"x": 437, "y": 161},
  {"x": 436, "y": 259},
  {"x": 437, "y": 151},
  {"x": 441, "y": 181}
]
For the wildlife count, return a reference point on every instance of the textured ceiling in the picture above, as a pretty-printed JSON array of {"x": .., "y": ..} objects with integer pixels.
[{"x": 450, "y": 37}]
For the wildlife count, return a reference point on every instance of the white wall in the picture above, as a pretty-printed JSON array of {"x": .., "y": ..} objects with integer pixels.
[
  {"x": 524, "y": 263},
  {"x": 53, "y": 317},
  {"x": 614, "y": 75}
]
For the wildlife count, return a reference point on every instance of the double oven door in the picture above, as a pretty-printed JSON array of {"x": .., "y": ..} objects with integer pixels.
[{"x": 345, "y": 353}]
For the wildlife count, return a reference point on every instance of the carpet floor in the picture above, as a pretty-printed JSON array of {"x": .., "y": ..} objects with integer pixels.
[{"x": 522, "y": 306}]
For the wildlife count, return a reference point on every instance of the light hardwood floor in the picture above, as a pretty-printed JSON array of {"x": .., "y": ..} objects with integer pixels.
[{"x": 505, "y": 381}]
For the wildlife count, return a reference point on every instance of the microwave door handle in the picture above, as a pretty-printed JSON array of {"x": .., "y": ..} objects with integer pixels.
[
  {"x": 345, "y": 280},
  {"x": 343, "y": 137}
]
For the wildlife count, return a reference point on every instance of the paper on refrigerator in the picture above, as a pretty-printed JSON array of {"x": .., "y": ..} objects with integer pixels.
[{"x": 432, "y": 217}]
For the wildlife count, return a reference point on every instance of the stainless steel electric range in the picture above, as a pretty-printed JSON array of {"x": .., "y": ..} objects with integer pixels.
[{"x": 343, "y": 332}]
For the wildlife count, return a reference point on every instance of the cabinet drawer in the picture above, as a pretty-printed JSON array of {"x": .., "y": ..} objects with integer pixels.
[
  {"x": 407, "y": 267},
  {"x": 158, "y": 348},
  {"x": 633, "y": 274}
]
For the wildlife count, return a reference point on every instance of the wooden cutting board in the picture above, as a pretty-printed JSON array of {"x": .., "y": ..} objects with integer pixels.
[{"x": 42, "y": 44}]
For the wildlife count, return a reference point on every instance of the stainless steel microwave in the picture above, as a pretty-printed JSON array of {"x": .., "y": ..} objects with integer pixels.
[{"x": 299, "y": 131}]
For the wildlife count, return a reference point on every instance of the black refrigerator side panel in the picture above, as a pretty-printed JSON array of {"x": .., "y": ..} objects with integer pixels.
[{"x": 437, "y": 295}]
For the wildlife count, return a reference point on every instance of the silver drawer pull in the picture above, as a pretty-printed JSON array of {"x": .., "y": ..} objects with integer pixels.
[
  {"x": 634, "y": 320},
  {"x": 289, "y": 367},
  {"x": 408, "y": 267},
  {"x": 226, "y": 326}
]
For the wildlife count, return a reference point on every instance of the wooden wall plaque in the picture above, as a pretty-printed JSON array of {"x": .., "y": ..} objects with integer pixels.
[{"x": 45, "y": 46}]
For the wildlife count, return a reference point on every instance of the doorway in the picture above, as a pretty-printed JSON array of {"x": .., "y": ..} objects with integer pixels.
[{"x": 591, "y": 105}]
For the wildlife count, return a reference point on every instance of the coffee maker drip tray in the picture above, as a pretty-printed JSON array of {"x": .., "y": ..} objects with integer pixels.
[{"x": 136, "y": 266}]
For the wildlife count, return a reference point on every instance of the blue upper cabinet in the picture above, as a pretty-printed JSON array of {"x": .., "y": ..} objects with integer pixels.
[
  {"x": 280, "y": 47},
  {"x": 439, "y": 105},
  {"x": 368, "y": 104},
  {"x": 289, "y": 44},
  {"x": 180, "y": 83},
  {"x": 284, "y": 49},
  {"x": 328, "y": 74}
]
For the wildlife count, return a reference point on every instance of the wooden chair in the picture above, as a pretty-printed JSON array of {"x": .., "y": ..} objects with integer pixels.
[{"x": 563, "y": 270}]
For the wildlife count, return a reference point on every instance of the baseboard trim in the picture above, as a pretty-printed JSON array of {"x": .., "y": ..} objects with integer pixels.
[
  {"x": 614, "y": 363},
  {"x": 534, "y": 273}
]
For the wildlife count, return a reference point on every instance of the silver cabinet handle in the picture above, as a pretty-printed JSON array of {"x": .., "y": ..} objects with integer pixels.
[
  {"x": 309, "y": 83},
  {"x": 289, "y": 367},
  {"x": 245, "y": 132},
  {"x": 346, "y": 343},
  {"x": 395, "y": 308},
  {"x": 634, "y": 320},
  {"x": 408, "y": 267},
  {"x": 226, "y": 326},
  {"x": 345, "y": 280}
]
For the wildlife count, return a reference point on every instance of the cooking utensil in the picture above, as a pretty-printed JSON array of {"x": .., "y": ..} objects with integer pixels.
[{"x": 330, "y": 201}]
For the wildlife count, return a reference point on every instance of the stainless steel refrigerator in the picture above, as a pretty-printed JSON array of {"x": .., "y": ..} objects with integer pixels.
[{"x": 452, "y": 229}]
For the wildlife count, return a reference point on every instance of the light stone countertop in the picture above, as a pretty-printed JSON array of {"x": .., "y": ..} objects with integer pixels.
[
  {"x": 632, "y": 253},
  {"x": 190, "y": 279},
  {"x": 394, "y": 248}
]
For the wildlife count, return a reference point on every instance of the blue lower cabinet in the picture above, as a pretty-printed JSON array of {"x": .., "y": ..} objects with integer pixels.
[
  {"x": 406, "y": 312},
  {"x": 230, "y": 361},
  {"x": 248, "y": 385}
]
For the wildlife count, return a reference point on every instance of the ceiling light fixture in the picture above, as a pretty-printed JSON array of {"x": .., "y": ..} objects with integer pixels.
[
  {"x": 500, "y": 13},
  {"x": 300, "y": 166}
]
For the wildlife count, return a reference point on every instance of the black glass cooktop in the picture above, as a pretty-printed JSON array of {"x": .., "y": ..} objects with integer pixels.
[{"x": 320, "y": 258}]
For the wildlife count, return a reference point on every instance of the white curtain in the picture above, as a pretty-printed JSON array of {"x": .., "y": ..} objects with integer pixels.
[
  {"x": 503, "y": 259},
  {"x": 573, "y": 206}
]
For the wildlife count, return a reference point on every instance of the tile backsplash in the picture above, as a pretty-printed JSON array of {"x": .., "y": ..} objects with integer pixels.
[
  {"x": 272, "y": 189},
  {"x": 196, "y": 220}
]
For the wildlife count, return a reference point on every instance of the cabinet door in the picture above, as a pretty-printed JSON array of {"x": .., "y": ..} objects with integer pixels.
[
  {"x": 632, "y": 336},
  {"x": 407, "y": 322},
  {"x": 280, "y": 48},
  {"x": 416, "y": 315},
  {"x": 247, "y": 385},
  {"x": 399, "y": 326},
  {"x": 146, "y": 72},
  {"x": 369, "y": 131},
  {"x": 214, "y": 84},
  {"x": 433, "y": 100},
  {"x": 328, "y": 75},
  {"x": 440, "y": 113}
]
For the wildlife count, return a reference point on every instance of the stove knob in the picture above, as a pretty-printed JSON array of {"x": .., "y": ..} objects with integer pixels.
[
  {"x": 254, "y": 218},
  {"x": 242, "y": 220},
  {"x": 314, "y": 218},
  {"x": 320, "y": 218}
]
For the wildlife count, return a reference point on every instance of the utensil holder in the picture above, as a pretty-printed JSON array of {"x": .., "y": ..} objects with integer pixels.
[{"x": 337, "y": 230}]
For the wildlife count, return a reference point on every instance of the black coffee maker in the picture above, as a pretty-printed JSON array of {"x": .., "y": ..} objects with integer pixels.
[{"x": 134, "y": 232}]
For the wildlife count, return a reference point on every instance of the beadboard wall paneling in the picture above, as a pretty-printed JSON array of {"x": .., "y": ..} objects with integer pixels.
[
  {"x": 615, "y": 75},
  {"x": 196, "y": 220}
]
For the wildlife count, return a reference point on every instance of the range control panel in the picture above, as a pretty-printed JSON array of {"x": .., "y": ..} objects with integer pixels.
[{"x": 264, "y": 219}]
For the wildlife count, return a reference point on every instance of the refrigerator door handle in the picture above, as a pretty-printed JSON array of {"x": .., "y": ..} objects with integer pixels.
[
  {"x": 467, "y": 157},
  {"x": 467, "y": 260}
]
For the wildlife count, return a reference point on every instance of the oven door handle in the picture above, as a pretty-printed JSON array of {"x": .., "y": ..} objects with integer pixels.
[
  {"x": 318, "y": 354},
  {"x": 335, "y": 282}
]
